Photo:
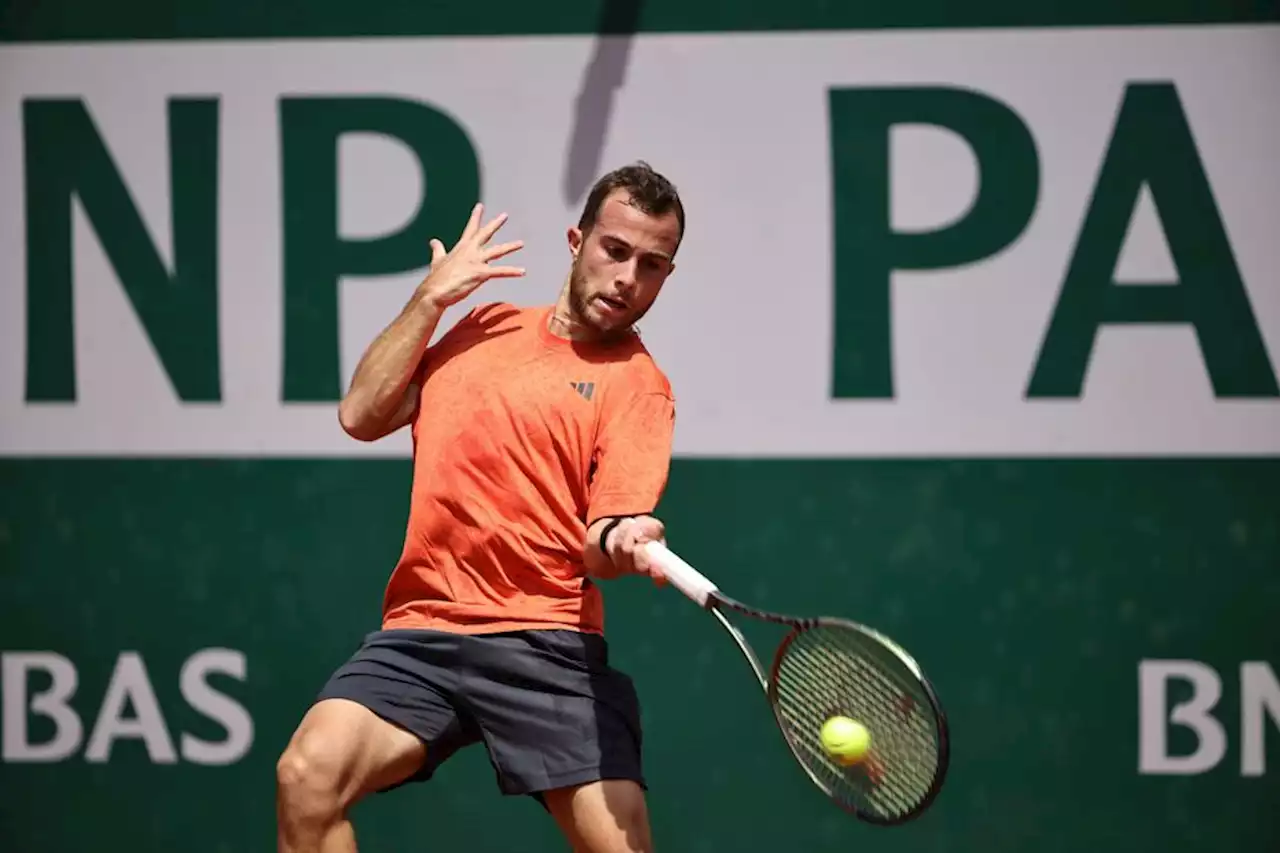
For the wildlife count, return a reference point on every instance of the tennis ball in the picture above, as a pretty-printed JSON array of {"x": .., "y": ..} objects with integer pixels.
[{"x": 845, "y": 740}]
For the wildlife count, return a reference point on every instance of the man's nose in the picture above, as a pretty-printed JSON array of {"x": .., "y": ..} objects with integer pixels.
[{"x": 626, "y": 277}]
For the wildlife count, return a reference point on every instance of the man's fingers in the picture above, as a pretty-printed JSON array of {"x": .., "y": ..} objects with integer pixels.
[
  {"x": 473, "y": 223},
  {"x": 639, "y": 559},
  {"x": 503, "y": 249},
  {"x": 646, "y": 566},
  {"x": 437, "y": 251},
  {"x": 639, "y": 532},
  {"x": 504, "y": 272},
  {"x": 648, "y": 529},
  {"x": 486, "y": 233},
  {"x": 628, "y": 552}
]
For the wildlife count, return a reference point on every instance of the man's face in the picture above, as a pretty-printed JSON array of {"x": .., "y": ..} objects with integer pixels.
[{"x": 619, "y": 266}]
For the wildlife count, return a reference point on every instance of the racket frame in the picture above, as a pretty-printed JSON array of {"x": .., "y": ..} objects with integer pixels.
[{"x": 708, "y": 596}]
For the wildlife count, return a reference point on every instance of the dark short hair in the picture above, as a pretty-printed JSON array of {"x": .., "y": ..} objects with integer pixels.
[{"x": 650, "y": 192}]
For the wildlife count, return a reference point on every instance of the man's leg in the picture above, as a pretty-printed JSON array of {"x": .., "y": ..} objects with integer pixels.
[
  {"x": 562, "y": 724},
  {"x": 608, "y": 816},
  {"x": 340, "y": 752},
  {"x": 384, "y": 718}
]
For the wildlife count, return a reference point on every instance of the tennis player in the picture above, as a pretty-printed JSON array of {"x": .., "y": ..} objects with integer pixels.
[{"x": 542, "y": 441}]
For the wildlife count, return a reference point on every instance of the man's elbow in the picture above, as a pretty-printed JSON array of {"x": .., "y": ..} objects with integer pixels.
[{"x": 356, "y": 423}]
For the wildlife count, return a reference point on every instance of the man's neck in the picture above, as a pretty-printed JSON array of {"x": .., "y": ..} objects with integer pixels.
[{"x": 564, "y": 322}]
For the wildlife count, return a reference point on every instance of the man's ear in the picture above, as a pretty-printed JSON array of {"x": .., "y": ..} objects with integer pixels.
[{"x": 575, "y": 240}]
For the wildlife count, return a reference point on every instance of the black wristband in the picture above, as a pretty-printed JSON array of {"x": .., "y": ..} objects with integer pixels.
[{"x": 604, "y": 534}]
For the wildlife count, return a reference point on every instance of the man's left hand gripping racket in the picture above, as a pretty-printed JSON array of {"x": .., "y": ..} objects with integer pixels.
[{"x": 827, "y": 667}]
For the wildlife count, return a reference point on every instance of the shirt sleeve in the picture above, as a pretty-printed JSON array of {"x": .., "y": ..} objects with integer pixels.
[{"x": 633, "y": 457}]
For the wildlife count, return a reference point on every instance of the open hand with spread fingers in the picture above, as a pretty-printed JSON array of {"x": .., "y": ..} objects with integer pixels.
[{"x": 459, "y": 271}]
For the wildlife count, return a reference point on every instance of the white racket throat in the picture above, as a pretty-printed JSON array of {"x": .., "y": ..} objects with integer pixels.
[{"x": 682, "y": 576}]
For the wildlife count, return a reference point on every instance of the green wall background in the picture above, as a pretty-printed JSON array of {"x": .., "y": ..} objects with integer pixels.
[{"x": 1029, "y": 590}]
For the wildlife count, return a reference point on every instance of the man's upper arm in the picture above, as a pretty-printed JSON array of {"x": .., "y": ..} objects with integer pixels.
[
  {"x": 633, "y": 456},
  {"x": 408, "y": 411}
]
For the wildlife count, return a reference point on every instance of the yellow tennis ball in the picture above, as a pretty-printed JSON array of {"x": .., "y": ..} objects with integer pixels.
[{"x": 845, "y": 740}]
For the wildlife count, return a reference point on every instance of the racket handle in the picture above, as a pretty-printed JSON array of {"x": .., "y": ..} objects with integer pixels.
[{"x": 683, "y": 576}]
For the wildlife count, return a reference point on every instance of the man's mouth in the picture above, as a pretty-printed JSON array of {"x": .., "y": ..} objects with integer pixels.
[{"x": 612, "y": 303}]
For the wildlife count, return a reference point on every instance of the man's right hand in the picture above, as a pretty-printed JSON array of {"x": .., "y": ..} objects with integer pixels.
[
  {"x": 625, "y": 554},
  {"x": 458, "y": 272},
  {"x": 382, "y": 397}
]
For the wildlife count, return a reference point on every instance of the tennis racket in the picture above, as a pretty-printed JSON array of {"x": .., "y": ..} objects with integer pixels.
[{"x": 826, "y": 667}]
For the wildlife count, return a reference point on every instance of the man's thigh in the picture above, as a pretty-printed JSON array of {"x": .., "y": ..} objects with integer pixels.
[
  {"x": 407, "y": 679},
  {"x": 608, "y": 816},
  {"x": 341, "y": 751},
  {"x": 553, "y": 713}
]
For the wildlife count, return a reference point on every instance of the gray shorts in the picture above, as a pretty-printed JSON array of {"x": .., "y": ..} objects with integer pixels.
[{"x": 549, "y": 709}]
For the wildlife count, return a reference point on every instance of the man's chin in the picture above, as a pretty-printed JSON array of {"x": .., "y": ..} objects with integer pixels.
[{"x": 607, "y": 324}]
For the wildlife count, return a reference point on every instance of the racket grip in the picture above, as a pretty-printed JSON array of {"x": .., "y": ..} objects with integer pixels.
[{"x": 683, "y": 576}]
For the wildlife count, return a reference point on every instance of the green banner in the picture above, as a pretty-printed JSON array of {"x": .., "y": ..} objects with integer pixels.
[
  {"x": 81, "y": 20},
  {"x": 1033, "y": 593}
]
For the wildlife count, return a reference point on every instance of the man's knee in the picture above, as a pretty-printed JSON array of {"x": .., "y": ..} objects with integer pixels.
[
  {"x": 341, "y": 752},
  {"x": 308, "y": 782}
]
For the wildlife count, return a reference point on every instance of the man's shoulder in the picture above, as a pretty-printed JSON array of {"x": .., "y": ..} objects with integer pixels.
[
  {"x": 641, "y": 372},
  {"x": 499, "y": 314},
  {"x": 486, "y": 321}
]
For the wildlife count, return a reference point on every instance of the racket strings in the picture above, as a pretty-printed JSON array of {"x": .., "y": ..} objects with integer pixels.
[
  {"x": 880, "y": 780},
  {"x": 859, "y": 785},
  {"x": 829, "y": 670}
]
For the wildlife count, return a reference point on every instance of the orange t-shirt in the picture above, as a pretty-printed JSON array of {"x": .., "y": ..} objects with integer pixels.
[{"x": 521, "y": 441}]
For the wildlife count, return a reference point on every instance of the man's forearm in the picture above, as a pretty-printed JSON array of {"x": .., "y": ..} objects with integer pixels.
[
  {"x": 620, "y": 539},
  {"x": 597, "y": 563},
  {"x": 382, "y": 377}
]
